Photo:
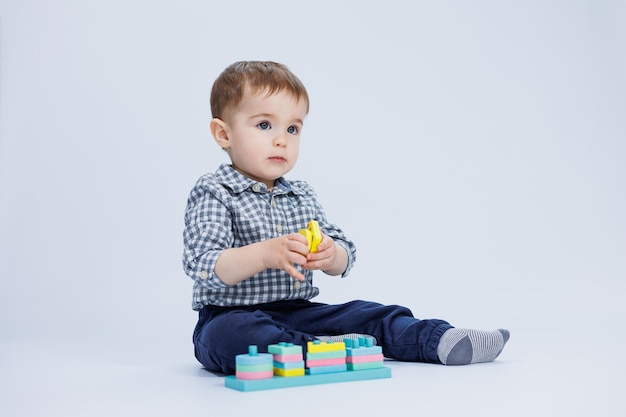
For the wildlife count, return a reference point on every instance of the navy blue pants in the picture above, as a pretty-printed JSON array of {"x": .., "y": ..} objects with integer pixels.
[{"x": 224, "y": 332}]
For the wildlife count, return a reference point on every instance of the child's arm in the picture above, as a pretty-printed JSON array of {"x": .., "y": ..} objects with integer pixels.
[{"x": 237, "y": 264}]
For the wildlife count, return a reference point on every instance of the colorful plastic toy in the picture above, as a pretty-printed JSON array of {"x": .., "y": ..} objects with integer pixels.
[
  {"x": 325, "y": 357},
  {"x": 254, "y": 365},
  {"x": 318, "y": 346},
  {"x": 282, "y": 382},
  {"x": 313, "y": 235},
  {"x": 326, "y": 362},
  {"x": 362, "y": 354},
  {"x": 287, "y": 359}
]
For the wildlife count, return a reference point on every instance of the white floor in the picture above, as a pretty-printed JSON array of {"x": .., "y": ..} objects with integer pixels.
[{"x": 558, "y": 372}]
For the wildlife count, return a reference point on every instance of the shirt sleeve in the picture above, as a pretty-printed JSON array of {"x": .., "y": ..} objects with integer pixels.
[
  {"x": 339, "y": 237},
  {"x": 207, "y": 232}
]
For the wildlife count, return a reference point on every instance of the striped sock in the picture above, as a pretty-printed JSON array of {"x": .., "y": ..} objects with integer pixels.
[
  {"x": 341, "y": 337},
  {"x": 465, "y": 346}
]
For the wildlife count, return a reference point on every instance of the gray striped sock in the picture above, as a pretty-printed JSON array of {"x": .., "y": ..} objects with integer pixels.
[
  {"x": 341, "y": 337},
  {"x": 465, "y": 346}
]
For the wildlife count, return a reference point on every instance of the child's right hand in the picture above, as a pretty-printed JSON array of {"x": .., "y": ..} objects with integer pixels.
[{"x": 285, "y": 251}]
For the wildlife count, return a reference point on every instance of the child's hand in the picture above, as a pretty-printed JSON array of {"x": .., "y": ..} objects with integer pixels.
[
  {"x": 325, "y": 258},
  {"x": 285, "y": 251}
]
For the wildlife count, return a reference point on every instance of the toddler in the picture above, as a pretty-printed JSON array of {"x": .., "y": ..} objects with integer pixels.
[{"x": 252, "y": 270}]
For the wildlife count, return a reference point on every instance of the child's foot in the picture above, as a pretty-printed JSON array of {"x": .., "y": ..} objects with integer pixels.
[{"x": 465, "y": 346}]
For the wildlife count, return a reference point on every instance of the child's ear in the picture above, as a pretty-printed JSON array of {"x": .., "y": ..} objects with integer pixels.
[{"x": 219, "y": 130}]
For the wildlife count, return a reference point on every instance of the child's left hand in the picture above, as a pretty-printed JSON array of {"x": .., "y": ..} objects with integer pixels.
[{"x": 324, "y": 258}]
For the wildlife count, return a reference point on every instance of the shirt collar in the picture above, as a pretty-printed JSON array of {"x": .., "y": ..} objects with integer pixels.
[{"x": 231, "y": 178}]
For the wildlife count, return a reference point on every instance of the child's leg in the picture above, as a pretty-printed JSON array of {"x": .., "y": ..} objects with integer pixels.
[
  {"x": 402, "y": 336},
  {"x": 223, "y": 333},
  {"x": 405, "y": 338}
]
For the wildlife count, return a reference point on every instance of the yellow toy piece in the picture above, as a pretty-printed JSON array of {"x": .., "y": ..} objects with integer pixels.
[
  {"x": 316, "y": 234},
  {"x": 312, "y": 234},
  {"x": 317, "y": 346},
  {"x": 289, "y": 372}
]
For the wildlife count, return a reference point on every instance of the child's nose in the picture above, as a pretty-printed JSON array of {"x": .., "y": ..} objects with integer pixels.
[{"x": 280, "y": 140}]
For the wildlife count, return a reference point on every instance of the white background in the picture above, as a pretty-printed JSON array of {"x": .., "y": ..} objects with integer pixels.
[{"x": 475, "y": 152}]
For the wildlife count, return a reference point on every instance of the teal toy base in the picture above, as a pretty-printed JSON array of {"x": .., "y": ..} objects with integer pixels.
[{"x": 298, "y": 381}]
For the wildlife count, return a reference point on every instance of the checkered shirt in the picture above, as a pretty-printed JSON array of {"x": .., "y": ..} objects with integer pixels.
[{"x": 226, "y": 210}]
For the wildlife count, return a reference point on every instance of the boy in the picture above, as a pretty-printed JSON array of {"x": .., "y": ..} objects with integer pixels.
[{"x": 251, "y": 268}]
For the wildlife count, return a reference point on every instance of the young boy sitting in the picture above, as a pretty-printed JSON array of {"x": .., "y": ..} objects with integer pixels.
[{"x": 253, "y": 271}]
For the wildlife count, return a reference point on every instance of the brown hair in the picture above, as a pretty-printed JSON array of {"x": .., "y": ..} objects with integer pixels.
[{"x": 229, "y": 88}]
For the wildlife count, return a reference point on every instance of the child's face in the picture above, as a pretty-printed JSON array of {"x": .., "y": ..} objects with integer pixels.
[{"x": 262, "y": 135}]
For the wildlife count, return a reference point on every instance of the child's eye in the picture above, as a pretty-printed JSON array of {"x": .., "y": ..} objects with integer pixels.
[
  {"x": 293, "y": 130},
  {"x": 264, "y": 125}
]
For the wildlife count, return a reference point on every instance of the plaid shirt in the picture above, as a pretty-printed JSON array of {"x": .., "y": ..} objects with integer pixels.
[{"x": 227, "y": 210}]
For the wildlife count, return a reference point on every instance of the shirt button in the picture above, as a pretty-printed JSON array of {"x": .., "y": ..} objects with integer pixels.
[
  {"x": 256, "y": 188},
  {"x": 297, "y": 285},
  {"x": 279, "y": 228},
  {"x": 273, "y": 203},
  {"x": 204, "y": 275}
]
